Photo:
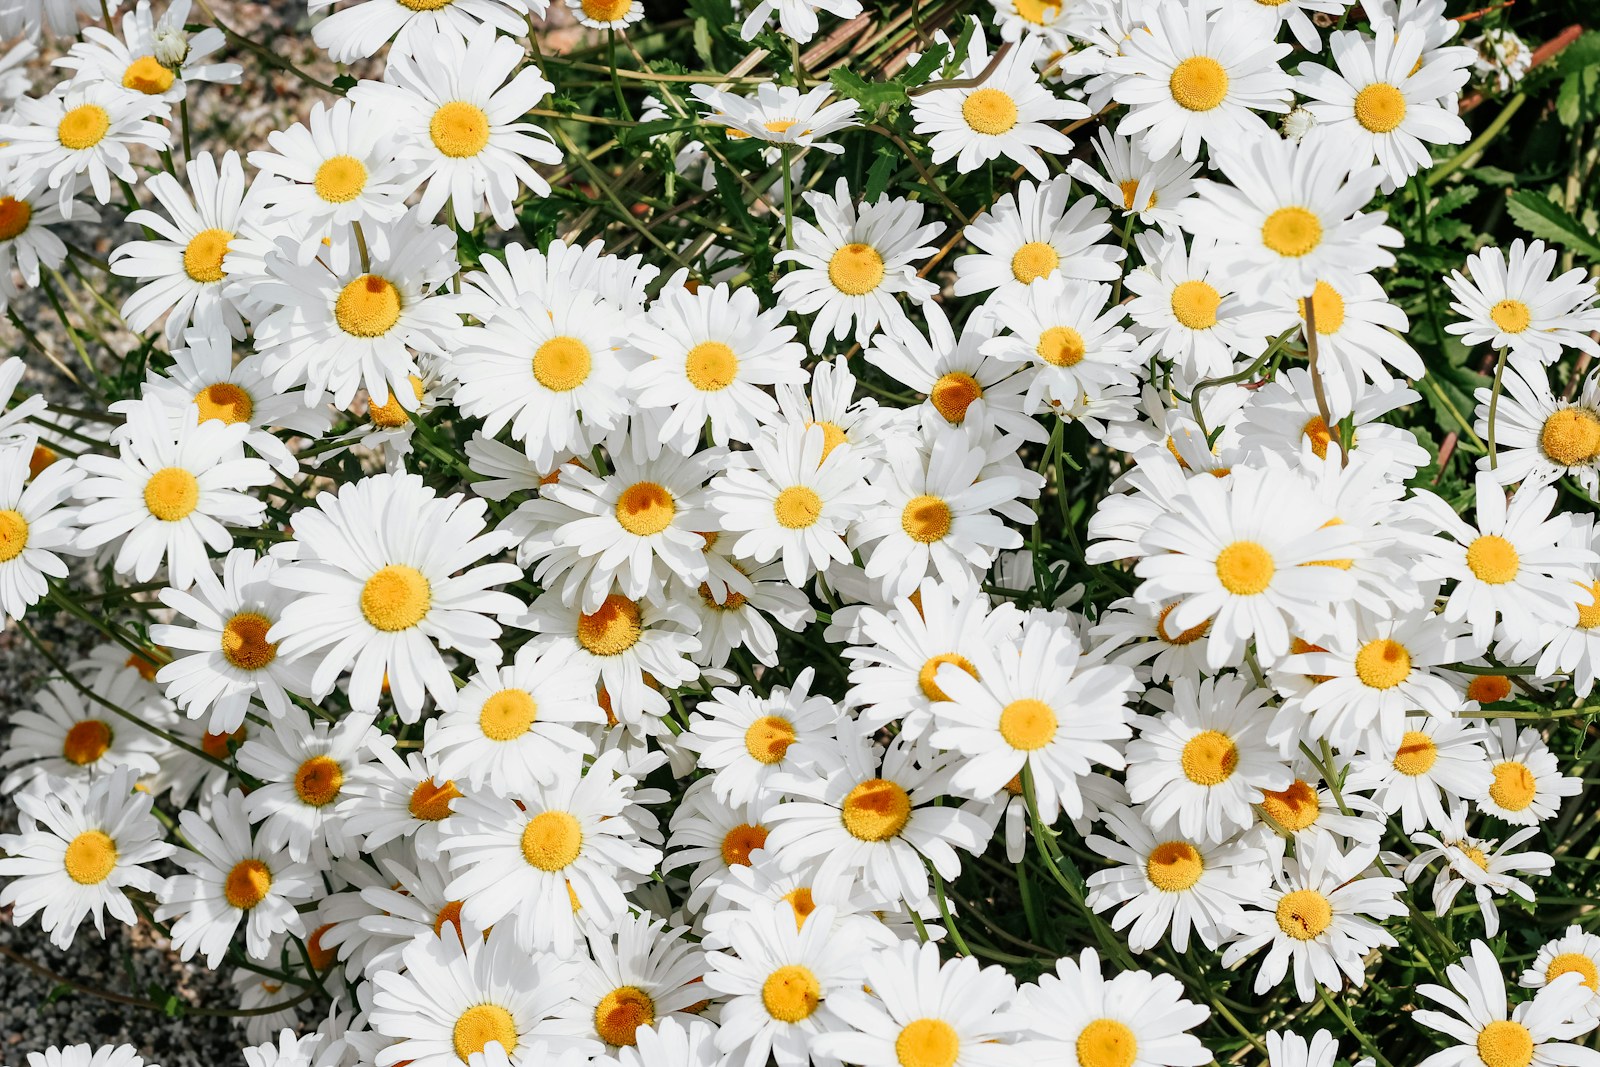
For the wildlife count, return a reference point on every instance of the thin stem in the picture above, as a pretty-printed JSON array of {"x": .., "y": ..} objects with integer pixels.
[{"x": 1494, "y": 406}]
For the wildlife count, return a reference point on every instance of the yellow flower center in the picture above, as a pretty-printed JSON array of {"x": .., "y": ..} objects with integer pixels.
[
  {"x": 90, "y": 858},
  {"x": 430, "y": 800},
  {"x": 622, "y": 1011},
  {"x": 1294, "y": 808},
  {"x": 1383, "y": 664},
  {"x": 610, "y": 11},
  {"x": 145, "y": 75},
  {"x": 14, "y": 216},
  {"x": 856, "y": 269},
  {"x": 1304, "y": 914},
  {"x": 430, "y": 5},
  {"x": 247, "y": 884},
  {"x": 13, "y": 534},
  {"x": 481, "y": 1024},
  {"x": 1245, "y": 568},
  {"x": 1209, "y": 758},
  {"x": 459, "y": 130},
  {"x": 562, "y": 364},
  {"x": 1588, "y": 605},
  {"x": 1574, "y": 963},
  {"x": 797, "y": 507},
  {"x": 1489, "y": 688},
  {"x": 832, "y": 436},
  {"x": 925, "y": 519},
  {"x": 953, "y": 393},
  {"x": 86, "y": 742},
  {"x": 1319, "y": 433},
  {"x": 202, "y": 257},
  {"x": 768, "y": 738},
  {"x": 611, "y": 630},
  {"x": 318, "y": 781},
  {"x": 224, "y": 402},
  {"x": 645, "y": 509},
  {"x": 927, "y": 1043},
  {"x": 552, "y": 840},
  {"x": 801, "y": 903},
  {"x": 1028, "y": 724},
  {"x": 171, "y": 494},
  {"x": 83, "y": 127},
  {"x": 507, "y": 714},
  {"x": 1380, "y": 107},
  {"x": 1571, "y": 437},
  {"x": 1504, "y": 1043},
  {"x": 711, "y": 366},
  {"x": 1174, "y": 866},
  {"x": 390, "y": 415},
  {"x": 216, "y": 745},
  {"x": 1493, "y": 559},
  {"x": 1416, "y": 755},
  {"x": 1513, "y": 786},
  {"x": 396, "y": 598},
  {"x": 989, "y": 111},
  {"x": 1328, "y": 306},
  {"x": 739, "y": 842},
  {"x": 244, "y": 641},
  {"x": 1061, "y": 346},
  {"x": 925, "y": 677},
  {"x": 876, "y": 810},
  {"x": 1186, "y": 637},
  {"x": 368, "y": 306},
  {"x": 1106, "y": 1043},
  {"x": 42, "y": 457},
  {"x": 1512, "y": 316},
  {"x": 1034, "y": 260},
  {"x": 1292, "y": 232},
  {"x": 340, "y": 179},
  {"x": 1195, "y": 304},
  {"x": 1198, "y": 83},
  {"x": 732, "y": 600},
  {"x": 450, "y": 913},
  {"x": 791, "y": 993},
  {"x": 1129, "y": 187}
]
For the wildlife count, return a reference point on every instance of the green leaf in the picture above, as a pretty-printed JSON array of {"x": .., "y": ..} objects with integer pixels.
[
  {"x": 883, "y": 167},
  {"x": 958, "y": 55},
  {"x": 870, "y": 95},
  {"x": 1537, "y": 214},
  {"x": 702, "y": 41},
  {"x": 925, "y": 67},
  {"x": 344, "y": 83}
]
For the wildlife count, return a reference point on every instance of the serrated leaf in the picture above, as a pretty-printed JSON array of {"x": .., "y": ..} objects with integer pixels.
[
  {"x": 925, "y": 66},
  {"x": 958, "y": 54},
  {"x": 1537, "y": 214},
  {"x": 870, "y": 95},
  {"x": 702, "y": 41}
]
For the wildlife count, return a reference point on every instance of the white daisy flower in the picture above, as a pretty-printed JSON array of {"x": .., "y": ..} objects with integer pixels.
[
  {"x": 1360, "y": 338},
  {"x": 67, "y": 734},
  {"x": 747, "y": 741},
  {"x": 797, "y": 19},
  {"x": 1528, "y": 784},
  {"x": 1489, "y": 867},
  {"x": 1300, "y": 16},
  {"x": 1512, "y": 302},
  {"x": 1040, "y": 232},
  {"x": 1079, "y": 1018},
  {"x": 141, "y": 61},
  {"x": 671, "y": 1044},
  {"x": 639, "y": 975},
  {"x": 27, "y": 240},
  {"x": 741, "y": 618},
  {"x": 1282, "y": 417},
  {"x": 1285, "y": 1048},
  {"x": 55, "y": 141},
  {"x": 1574, "y": 952},
  {"x": 361, "y": 29},
  {"x": 1540, "y": 438},
  {"x": 36, "y": 530},
  {"x": 714, "y": 838},
  {"x": 391, "y": 799},
  {"x": 1153, "y": 191},
  {"x": 1437, "y": 760},
  {"x": 86, "y": 1055},
  {"x": 781, "y": 114},
  {"x": 1536, "y": 1032},
  {"x": 302, "y": 768},
  {"x": 1065, "y": 330}
]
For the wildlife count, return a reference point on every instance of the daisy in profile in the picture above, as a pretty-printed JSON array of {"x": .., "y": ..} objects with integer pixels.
[
  {"x": 1078, "y": 1017},
  {"x": 873, "y": 823},
  {"x": 167, "y": 494},
  {"x": 141, "y": 61},
  {"x": 853, "y": 262},
  {"x": 748, "y": 741},
  {"x": 302, "y": 769},
  {"x": 710, "y": 352},
  {"x": 454, "y": 997},
  {"x": 1475, "y": 1016},
  {"x": 1038, "y": 233},
  {"x": 1528, "y": 784},
  {"x": 386, "y": 578},
  {"x": 56, "y": 141},
  {"x": 1574, "y": 952},
  {"x": 455, "y": 105},
  {"x": 1510, "y": 301},
  {"x": 1189, "y": 80},
  {"x": 36, "y": 530},
  {"x": 79, "y": 848},
  {"x": 637, "y": 976},
  {"x": 1009, "y": 114},
  {"x": 780, "y": 981},
  {"x": 511, "y": 727},
  {"x": 922, "y": 1011},
  {"x": 356, "y": 329},
  {"x": 1165, "y": 884},
  {"x": 230, "y": 880},
  {"x": 1290, "y": 214},
  {"x": 1207, "y": 760},
  {"x": 1322, "y": 916},
  {"x": 1540, "y": 438},
  {"x": 1513, "y": 565},
  {"x": 339, "y": 167},
  {"x": 1066, "y": 332},
  {"x": 1033, "y": 705},
  {"x": 362, "y": 28},
  {"x": 1490, "y": 867},
  {"x": 550, "y": 860},
  {"x": 1151, "y": 191},
  {"x": 547, "y": 368},
  {"x": 781, "y": 114},
  {"x": 1437, "y": 761},
  {"x": 1384, "y": 100},
  {"x": 1242, "y": 553}
]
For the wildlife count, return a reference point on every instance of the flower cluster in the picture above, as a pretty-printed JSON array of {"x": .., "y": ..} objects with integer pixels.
[{"x": 720, "y": 650}]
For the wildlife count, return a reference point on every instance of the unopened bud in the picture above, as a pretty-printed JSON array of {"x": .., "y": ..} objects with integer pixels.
[{"x": 172, "y": 46}]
